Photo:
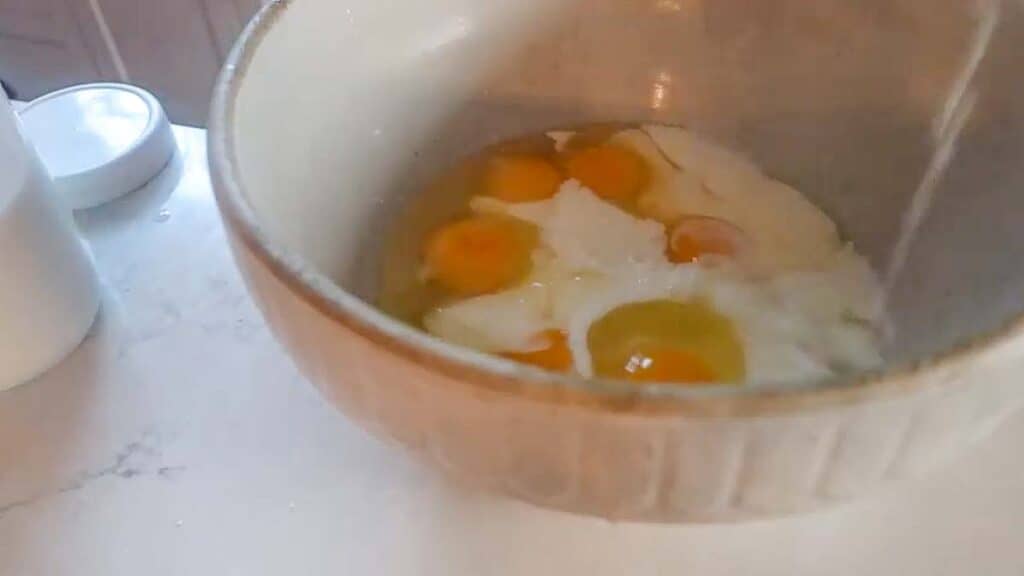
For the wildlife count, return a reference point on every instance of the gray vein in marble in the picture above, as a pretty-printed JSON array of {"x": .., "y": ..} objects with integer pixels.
[{"x": 129, "y": 462}]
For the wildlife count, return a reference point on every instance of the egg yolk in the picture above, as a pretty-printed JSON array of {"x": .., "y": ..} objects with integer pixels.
[
  {"x": 554, "y": 356},
  {"x": 614, "y": 173},
  {"x": 666, "y": 341},
  {"x": 694, "y": 237},
  {"x": 521, "y": 179},
  {"x": 480, "y": 254},
  {"x": 666, "y": 364}
]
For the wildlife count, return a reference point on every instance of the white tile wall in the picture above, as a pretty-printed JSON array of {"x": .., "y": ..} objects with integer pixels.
[{"x": 173, "y": 48}]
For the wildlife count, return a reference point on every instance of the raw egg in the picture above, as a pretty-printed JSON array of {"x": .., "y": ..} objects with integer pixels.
[
  {"x": 650, "y": 255},
  {"x": 480, "y": 254},
  {"x": 552, "y": 354},
  {"x": 666, "y": 341},
  {"x": 521, "y": 179},
  {"x": 615, "y": 173},
  {"x": 699, "y": 237}
]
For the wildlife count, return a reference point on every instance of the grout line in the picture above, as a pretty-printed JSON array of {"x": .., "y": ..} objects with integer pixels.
[
  {"x": 988, "y": 19},
  {"x": 90, "y": 48},
  {"x": 108, "y": 39},
  {"x": 211, "y": 32},
  {"x": 35, "y": 40}
]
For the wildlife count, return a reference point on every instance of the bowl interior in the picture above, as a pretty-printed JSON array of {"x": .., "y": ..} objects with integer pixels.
[{"x": 347, "y": 107}]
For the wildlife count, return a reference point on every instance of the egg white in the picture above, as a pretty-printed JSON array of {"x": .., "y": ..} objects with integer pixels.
[
  {"x": 586, "y": 233},
  {"x": 507, "y": 321},
  {"x": 692, "y": 176}
]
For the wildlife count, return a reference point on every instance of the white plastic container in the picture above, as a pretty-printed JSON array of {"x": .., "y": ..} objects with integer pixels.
[{"x": 49, "y": 293}]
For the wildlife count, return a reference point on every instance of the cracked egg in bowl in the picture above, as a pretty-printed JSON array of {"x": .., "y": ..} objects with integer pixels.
[{"x": 634, "y": 259}]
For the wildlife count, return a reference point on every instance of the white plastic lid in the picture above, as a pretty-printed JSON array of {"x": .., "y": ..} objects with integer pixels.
[{"x": 99, "y": 141}]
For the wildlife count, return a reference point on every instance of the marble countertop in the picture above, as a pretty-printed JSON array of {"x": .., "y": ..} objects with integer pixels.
[{"x": 179, "y": 439}]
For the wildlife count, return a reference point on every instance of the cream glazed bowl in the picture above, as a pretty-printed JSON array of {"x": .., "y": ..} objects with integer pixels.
[{"x": 330, "y": 112}]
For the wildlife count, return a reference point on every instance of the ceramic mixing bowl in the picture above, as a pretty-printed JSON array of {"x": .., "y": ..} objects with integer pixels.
[{"x": 331, "y": 112}]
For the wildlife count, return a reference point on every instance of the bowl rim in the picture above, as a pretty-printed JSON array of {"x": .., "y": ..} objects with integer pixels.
[{"x": 482, "y": 371}]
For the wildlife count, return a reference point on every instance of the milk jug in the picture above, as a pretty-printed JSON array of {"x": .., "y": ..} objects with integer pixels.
[{"x": 49, "y": 294}]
